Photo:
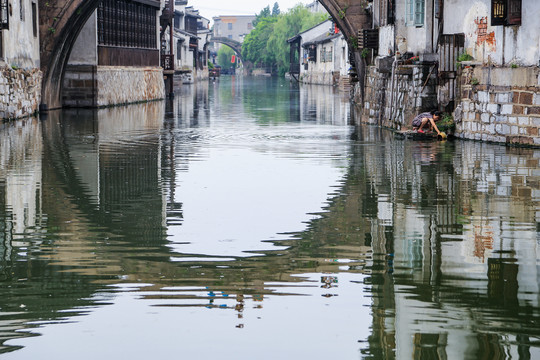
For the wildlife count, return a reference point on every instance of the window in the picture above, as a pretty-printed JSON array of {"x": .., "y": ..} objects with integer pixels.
[
  {"x": 312, "y": 51},
  {"x": 229, "y": 36},
  {"x": 505, "y": 12},
  {"x": 179, "y": 49},
  {"x": 415, "y": 12},
  {"x": 34, "y": 19},
  {"x": 386, "y": 12},
  {"x": 229, "y": 26},
  {"x": 327, "y": 54},
  {"x": 127, "y": 24},
  {"x": 4, "y": 14},
  {"x": 250, "y": 26}
]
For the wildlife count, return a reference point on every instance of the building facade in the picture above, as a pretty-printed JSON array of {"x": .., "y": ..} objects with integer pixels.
[
  {"x": 320, "y": 55},
  {"x": 116, "y": 59},
  {"x": 479, "y": 60},
  {"x": 233, "y": 27},
  {"x": 20, "y": 75}
]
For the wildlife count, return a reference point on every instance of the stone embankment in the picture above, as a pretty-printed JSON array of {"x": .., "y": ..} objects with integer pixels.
[
  {"x": 500, "y": 104},
  {"x": 20, "y": 92}
]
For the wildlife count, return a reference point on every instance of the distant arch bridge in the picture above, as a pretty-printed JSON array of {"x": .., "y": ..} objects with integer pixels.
[{"x": 60, "y": 22}]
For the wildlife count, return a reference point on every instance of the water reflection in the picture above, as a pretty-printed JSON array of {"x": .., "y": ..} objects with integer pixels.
[{"x": 249, "y": 217}]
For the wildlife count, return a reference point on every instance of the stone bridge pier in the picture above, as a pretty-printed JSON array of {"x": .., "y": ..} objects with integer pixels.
[{"x": 62, "y": 20}]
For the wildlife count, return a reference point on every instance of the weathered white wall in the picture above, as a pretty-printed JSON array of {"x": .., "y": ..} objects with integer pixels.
[
  {"x": 84, "y": 51},
  {"x": 500, "y": 45},
  {"x": 136, "y": 84},
  {"x": 418, "y": 40},
  {"x": 20, "y": 46},
  {"x": 386, "y": 40}
]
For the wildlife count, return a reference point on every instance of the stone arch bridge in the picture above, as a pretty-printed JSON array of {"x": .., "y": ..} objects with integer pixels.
[{"x": 62, "y": 20}]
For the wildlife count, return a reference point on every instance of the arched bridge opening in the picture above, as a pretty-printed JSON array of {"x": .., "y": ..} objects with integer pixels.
[{"x": 61, "y": 21}]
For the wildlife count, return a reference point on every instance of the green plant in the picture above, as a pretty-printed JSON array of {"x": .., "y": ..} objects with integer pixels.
[
  {"x": 354, "y": 42},
  {"x": 446, "y": 124},
  {"x": 514, "y": 66},
  {"x": 364, "y": 53},
  {"x": 464, "y": 57},
  {"x": 342, "y": 12},
  {"x": 474, "y": 81},
  {"x": 52, "y": 30}
]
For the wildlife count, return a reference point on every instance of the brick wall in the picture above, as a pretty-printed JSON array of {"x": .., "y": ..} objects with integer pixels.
[{"x": 499, "y": 105}]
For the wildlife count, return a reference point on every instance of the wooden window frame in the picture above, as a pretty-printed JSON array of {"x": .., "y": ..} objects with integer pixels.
[
  {"x": 506, "y": 12},
  {"x": 415, "y": 13}
]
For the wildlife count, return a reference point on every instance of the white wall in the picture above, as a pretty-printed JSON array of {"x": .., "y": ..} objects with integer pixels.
[
  {"x": 502, "y": 45},
  {"x": 20, "y": 46}
]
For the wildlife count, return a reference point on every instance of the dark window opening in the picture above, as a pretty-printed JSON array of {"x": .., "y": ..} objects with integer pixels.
[
  {"x": 386, "y": 12},
  {"x": 34, "y": 19},
  {"x": 505, "y": 12},
  {"x": 312, "y": 53}
]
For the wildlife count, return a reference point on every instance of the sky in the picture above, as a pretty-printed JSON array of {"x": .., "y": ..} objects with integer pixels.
[{"x": 211, "y": 8}]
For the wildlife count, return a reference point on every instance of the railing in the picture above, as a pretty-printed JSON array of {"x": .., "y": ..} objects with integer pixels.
[{"x": 167, "y": 62}]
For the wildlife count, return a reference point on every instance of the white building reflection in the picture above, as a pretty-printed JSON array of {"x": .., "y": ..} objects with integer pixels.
[
  {"x": 463, "y": 247},
  {"x": 324, "y": 105},
  {"x": 20, "y": 177}
]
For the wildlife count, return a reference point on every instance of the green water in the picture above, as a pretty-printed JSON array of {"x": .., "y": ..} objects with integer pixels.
[{"x": 250, "y": 218}]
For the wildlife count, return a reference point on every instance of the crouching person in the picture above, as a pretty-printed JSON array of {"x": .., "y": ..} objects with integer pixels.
[{"x": 426, "y": 122}]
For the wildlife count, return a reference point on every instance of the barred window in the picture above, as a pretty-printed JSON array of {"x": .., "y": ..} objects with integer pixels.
[
  {"x": 127, "y": 24},
  {"x": 4, "y": 14},
  {"x": 505, "y": 12}
]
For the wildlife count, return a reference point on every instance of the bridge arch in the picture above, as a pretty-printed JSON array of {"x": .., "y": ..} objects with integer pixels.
[
  {"x": 233, "y": 44},
  {"x": 62, "y": 20}
]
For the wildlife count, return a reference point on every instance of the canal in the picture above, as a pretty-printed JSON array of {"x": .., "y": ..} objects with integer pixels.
[{"x": 250, "y": 218}]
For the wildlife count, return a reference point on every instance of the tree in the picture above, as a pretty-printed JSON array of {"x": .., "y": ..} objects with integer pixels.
[
  {"x": 266, "y": 45},
  {"x": 289, "y": 24},
  {"x": 275, "y": 9},
  {"x": 254, "y": 46},
  {"x": 225, "y": 54},
  {"x": 262, "y": 15}
]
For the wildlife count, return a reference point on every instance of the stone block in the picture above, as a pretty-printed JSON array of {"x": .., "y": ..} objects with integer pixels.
[
  {"x": 483, "y": 96},
  {"x": 523, "y": 121},
  {"x": 503, "y": 98},
  {"x": 507, "y": 109},
  {"x": 536, "y": 98},
  {"x": 533, "y": 110},
  {"x": 512, "y": 120},
  {"x": 526, "y": 98},
  {"x": 485, "y": 117},
  {"x": 493, "y": 108},
  {"x": 514, "y": 130}
]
